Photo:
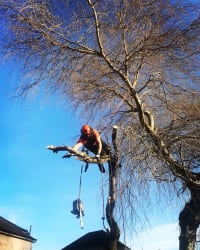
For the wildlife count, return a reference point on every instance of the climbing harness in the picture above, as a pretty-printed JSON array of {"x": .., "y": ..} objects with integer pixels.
[{"x": 77, "y": 205}]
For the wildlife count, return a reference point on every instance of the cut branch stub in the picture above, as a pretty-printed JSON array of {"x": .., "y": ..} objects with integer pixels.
[
  {"x": 81, "y": 156},
  {"x": 115, "y": 146}
]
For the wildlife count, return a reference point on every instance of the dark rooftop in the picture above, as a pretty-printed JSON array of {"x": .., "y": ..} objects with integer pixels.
[
  {"x": 9, "y": 228},
  {"x": 94, "y": 240}
]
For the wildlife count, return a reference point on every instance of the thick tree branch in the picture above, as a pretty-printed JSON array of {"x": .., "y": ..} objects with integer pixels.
[
  {"x": 81, "y": 156},
  {"x": 160, "y": 148}
]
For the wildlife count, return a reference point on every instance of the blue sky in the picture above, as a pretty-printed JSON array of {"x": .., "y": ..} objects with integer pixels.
[{"x": 38, "y": 187}]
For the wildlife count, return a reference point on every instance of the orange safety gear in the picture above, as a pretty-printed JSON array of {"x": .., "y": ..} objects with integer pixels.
[{"x": 85, "y": 130}]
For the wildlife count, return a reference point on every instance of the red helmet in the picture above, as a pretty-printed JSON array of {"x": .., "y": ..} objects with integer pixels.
[{"x": 85, "y": 129}]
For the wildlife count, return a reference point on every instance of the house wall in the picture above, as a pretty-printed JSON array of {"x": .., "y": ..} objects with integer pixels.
[{"x": 12, "y": 243}]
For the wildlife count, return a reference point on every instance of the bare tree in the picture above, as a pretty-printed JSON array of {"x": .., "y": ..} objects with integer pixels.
[{"x": 133, "y": 63}]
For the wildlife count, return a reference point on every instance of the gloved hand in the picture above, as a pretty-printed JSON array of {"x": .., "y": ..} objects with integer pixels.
[
  {"x": 68, "y": 155},
  {"x": 97, "y": 156}
]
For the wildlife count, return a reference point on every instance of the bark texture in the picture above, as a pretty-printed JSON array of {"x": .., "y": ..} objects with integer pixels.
[{"x": 189, "y": 221}]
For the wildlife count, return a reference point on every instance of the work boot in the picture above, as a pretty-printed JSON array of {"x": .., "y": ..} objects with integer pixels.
[{"x": 101, "y": 168}]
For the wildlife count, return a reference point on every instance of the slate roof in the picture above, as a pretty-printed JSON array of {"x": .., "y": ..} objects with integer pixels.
[
  {"x": 93, "y": 240},
  {"x": 9, "y": 228}
]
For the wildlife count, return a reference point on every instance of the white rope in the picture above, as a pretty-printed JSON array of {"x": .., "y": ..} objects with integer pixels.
[{"x": 103, "y": 200}]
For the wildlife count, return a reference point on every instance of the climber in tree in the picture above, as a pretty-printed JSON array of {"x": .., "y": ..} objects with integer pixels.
[{"x": 91, "y": 140}]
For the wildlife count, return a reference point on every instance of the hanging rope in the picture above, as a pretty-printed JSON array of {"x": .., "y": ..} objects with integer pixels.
[
  {"x": 103, "y": 201},
  {"x": 77, "y": 204},
  {"x": 81, "y": 212},
  {"x": 80, "y": 182}
]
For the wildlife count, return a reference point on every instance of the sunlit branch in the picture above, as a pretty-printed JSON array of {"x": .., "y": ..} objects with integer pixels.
[{"x": 81, "y": 156}]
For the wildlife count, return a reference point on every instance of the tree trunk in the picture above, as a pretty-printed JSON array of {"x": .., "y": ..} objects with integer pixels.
[
  {"x": 114, "y": 229},
  {"x": 113, "y": 165},
  {"x": 189, "y": 221}
]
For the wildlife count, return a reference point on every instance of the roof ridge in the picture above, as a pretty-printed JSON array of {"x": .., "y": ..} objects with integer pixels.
[
  {"x": 11, "y": 228},
  {"x": 25, "y": 230}
]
